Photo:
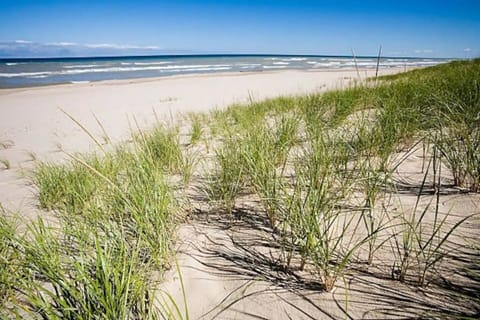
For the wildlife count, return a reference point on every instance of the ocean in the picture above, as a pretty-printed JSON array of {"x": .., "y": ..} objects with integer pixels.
[{"x": 16, "y": 73}]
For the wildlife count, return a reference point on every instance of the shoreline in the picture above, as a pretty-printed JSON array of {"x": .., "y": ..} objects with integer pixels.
[{"x": 362, "y": 71}]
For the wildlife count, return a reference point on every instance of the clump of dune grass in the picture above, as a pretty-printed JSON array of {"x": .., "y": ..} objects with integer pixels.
[
  {"x": 162, "y": 147},
  {"x": 116, "y": 218},
  {"x": 79, "y": 269},
  {"x": 265, "y": 153},
  {"x": 65, "y": 186},
  {"x": 83, "y": 273},
  {"x": 240, "y": 118},
  {"x": 197, "y": 128},
  {"x": 228, "y": 177},
  {"x": 315, "y": 221},
  {"x": 127, "y": 187}
]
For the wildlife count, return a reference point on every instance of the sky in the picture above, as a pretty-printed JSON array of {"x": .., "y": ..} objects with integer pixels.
[{"x": 421, "y": 28}]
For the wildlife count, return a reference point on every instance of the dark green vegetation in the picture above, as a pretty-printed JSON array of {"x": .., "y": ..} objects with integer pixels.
[{"x": 323, "y": 169}]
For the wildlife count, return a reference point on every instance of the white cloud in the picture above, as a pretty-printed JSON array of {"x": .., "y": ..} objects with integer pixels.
[
  {"x": 423, "y": 51},
  {"x": 467, "y": 49},
  {"x": 104, "y": 45},
  {"x": 24, "y": 48},
  {"x": 62, "y": 44}
]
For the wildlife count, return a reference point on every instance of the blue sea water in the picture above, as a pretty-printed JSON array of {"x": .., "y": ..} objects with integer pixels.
[{"x": 34, "y": 72}]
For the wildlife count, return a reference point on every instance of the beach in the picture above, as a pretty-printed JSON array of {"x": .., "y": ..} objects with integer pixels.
[
  {"x": 34, "y": 121},
  {"x": 225, "y": 263},
  {"x": 35, "y": 127},
  {"x": 250, "y": 160}
]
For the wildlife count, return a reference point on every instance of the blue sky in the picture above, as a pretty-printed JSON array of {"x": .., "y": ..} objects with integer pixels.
[{"x": 403, "y": 28}]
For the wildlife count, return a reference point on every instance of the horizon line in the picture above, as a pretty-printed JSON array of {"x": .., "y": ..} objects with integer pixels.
[{"x": 173, "y": 55}]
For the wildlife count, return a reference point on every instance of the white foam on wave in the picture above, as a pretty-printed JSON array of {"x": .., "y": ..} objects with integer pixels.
[
  {"x": 151, "y": 63},
  {"x": 274, "y": 67},
  {"x": 198, "y": 69},
  {"x": 401, "y": 63},
  {"x": 119, "y": 69},
  {"x": 248, "y": 64},
  {"x": 340, "y": 60},
  {"x": 79, "y": 82},
  {"x": 281, "y": 63},
  {"x": 82, "y": 66},
  {"x": 24, "y": 74},
  {"x": 285, "y": 59},
  {"x": 11, "y": 63},
  {"x": 294, "y": 59},
  {"x": 324, "y": 65},
  {"x": 370, "y": 63},
  {"x": 398, "y": 60}
]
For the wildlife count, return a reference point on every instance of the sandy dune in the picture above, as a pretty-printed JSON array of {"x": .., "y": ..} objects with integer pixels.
[
  {"x": 33, "y": 125},
  {"x": 222, "y": 268}
]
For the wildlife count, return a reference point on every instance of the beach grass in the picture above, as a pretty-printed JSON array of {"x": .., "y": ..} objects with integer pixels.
[
  {"x": 228, "y": 178},
  {"x": 373, "y": 128},
  {"x": 321, "y": 168},
  {"x": 419, "y": 239},
  {"x": 115, "y": 218},
  {"x": 197, "y": 130},
  {"x": 10, "y": 259}
]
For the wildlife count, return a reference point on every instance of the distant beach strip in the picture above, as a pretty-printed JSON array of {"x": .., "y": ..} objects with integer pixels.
[{"x": 16, "y": 73}]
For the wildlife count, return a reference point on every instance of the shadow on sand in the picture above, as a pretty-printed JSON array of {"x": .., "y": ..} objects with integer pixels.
[{"x": 244, "y": 247}]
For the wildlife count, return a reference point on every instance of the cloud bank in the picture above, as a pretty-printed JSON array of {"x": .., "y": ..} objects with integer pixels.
[{"x": 30, "y": 49}]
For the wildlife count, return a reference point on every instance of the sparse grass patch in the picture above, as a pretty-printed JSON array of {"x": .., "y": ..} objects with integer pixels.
[
  {"x": 457, "y": 136},
  {"x": 419, "y": 245}
]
